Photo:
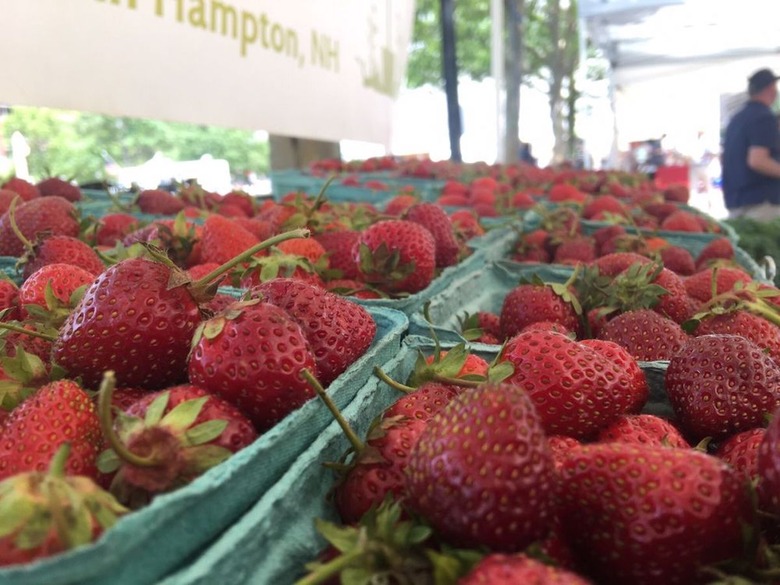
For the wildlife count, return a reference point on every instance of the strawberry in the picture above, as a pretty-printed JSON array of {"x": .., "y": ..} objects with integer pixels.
[
  {"x": 499, "y": 569},
  {"x": 26, "y": 190},
  {"x": 400, "y": 203},
  {"x": 574, "y": 250},
  {"x": 338, "y": 245},
  {"x": 682, "y": 221},
  {"x": 764, "y": 334},
  {"x": 768, "y": 464},
  {"x": 159, "y": 202},
  {"x": 578, "y": 388},
  {"x": 353, "y": 288},
  {"x": 54, "y": 186},
  {"x": 560, "y": 445},
  {"x": 722, "y": 384},
  {"x": 52, "y": 513},
  {"x": 482, "y": 326},
  {"x": 9, "y": 299},
  {"x": 53, "y": 215},
  {"x": 650, "y": 515},
  {"x": 223, "y": 239},
  {"x": 230, "y": 210},
  {"x": 61, "y": 249},
  {"x": 604, "y": 204},
  {"x": 699, "y": 285},
  {"x": 531, "y": 302},
  {"x": 549, "y": 326},
  {"x": 113, "y": 227},
  {"x": 130, "y": 317},
  {"x": 308, "y": 248},
  {"x": 678, "y": 260},
  {"x": 435, "y": 220},
  {"x": 398, "y": 256},
  {"x": 259, "y": 228},
  {"x": 252, "y": 356},
  {"x": 604, "y": 234},
  {"x": 59, "y": 280},
  {"x": 6, "y": 198},
  {"x": 643, "y": 429},
  {"x": 240, "y": 199},
  {"x": 646, "y": 334},
  {"x": 614, "y": 264},
  {"x": 466, "y": 225},
  {"x": 379, "y": 465},
  {"x": 489, "y": 440},
  {"x": 59, "y": 412},
  {"x": 741, "y": 452},
  {"x": 522, "y": 200},
  {"x": 338, "y": 330},
  {"x": 717, "y": 249},
  {"x": 168, "y": 438}
]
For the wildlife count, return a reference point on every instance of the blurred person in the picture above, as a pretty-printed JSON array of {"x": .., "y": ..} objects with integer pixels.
[{"x": 751, "y": 153}]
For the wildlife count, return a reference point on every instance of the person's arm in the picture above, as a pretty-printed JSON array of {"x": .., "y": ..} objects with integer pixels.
[{"x": 759, "y": 160}]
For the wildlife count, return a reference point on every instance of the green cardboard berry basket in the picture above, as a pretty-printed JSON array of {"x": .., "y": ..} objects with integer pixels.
[
  {"x": 275, "y": 539},
  {"x": 148, "y": 544}
]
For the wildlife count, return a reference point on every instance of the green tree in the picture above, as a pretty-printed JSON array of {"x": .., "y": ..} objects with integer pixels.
[{"x": 70, "y": 144}]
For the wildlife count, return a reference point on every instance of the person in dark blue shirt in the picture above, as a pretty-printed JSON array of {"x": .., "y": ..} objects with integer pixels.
[{"x": 751, "y": 153}]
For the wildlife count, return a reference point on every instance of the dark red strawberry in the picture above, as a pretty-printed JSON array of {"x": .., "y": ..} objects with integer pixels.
[
  {"x": 574, "y": 250},
  {"x": 764, "y": 334},
  {"x": 9, "y": 298},
  {"x": 643, "y": 429},
  {"x": 54, "y": 186},
  {"x": 433, "y": 218},
  {"x": 769, "y": 467},
  {"x": 606, "y": 233},
  {"x": 646, "y": 334},
  {"x": 741, "y": 452},
  {"x": 532, "y": 302},
  {"x": 649, "y": 515},
  {"x": 133, "y": 321},
  {"x": 578, "y": 388},
  {"x": 614, "y": 264},
  {"x": 560, "y": 445},
  {"x": 498, "y": 569},
  {"x": 678, "y": 260},
  {"x": 51, "y": 215},
  {"x": 59, "y": 412},
  {"x": 719, "y": 385},
  {"x": 338, "y": 245},
  {"x": 157, "y": 201},
  {"x": 62, "y": 250},
  {"x": 682, "y": 221},
  {"x": 267, "y": 386},
  {"x": 26, "y": 190},
  {"x": 604, "y": 204},
  {"x": 114, "y": 227},
  {"x": 699, "y": 285},
  {"x": 490, "y": 440},
  {"x": 717, "y": 249},
  {"x": 338, "y": 330},
  {"x": 398, "y": 256}
]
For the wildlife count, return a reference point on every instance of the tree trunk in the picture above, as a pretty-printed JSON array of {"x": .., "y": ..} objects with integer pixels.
[{"x": 514, "y": 76}]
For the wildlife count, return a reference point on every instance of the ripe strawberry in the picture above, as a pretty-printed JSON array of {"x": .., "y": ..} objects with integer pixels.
[
  {"x": 266, "y": 387},
  {"x": 338, "y": 331},
  {"x": 660, "y": 210},
  {"x": 605, "y": 234},
  {"x": 646, "y": 334},
  {"x": 435, "y": 220},
  {"x": 52, "y": 513},
  {"x": 53, "y": 215},
  {"x": 560, "y": 445},
  {"x": 353, "y": 288},
  {"x": 378, "y": 469},
  {"x": 398, "y": 256},
  {"x": 338, "y": 245},
  {"x": 574, "y": 250},
  {"x": 769, "y": 467},
  {"x": 532, "y": 302},
  {"x": 57, "y": 413},
  {"x": 578, "y": 388},
  {"x": 168, "y": 438},
  {"x": 62, "y": 249},
  {"x": 741, "y": 452},
  {"x": 717, "y": 249},
  {"x": 643, "y": 429},
  {"x": 614, "y": 264},
  {"x": 604, "y": 204},
  {"x": 549, "y": 326},
  {"x": 240, "y": 199},
  {"x": 309, "y": 248},
  {"x": 9, "y": 299},
  {"x": 114, "y": 227},
  {"x": 62, "y": 279},
  {"x": 650, "y": 515},
  {"x": 54, "y": 186},
  {"x": 466, "y": 225},
  {"x": 764, "y": 334},
  {"x": 699, "y": 285},
  {"x": 222, "y": 239},
  {"x": 159, "y": 202},
  {"x": 481, "y": 472},
  {"x": 400, "y": 203},
  {"x": 26, "y": 190},
  {"x": 564, "y": 192},
  {"x": 133, "y": 321},
  {"x": 719, "y": 385},
  {"x": 682, "y": 221},
  {"x": 498, "y": 569},
  {"x": 259, "y": 228},
  {"x": 678, "y": 260}
]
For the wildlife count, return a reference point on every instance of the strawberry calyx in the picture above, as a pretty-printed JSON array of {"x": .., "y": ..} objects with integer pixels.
[
  {"x": 383, "y": 264},
  {"x": 22, "y": 375}
]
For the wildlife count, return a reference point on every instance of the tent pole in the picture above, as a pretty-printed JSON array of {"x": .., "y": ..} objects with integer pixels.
[
  {"x": 450, "y": 70},
  {"x": 497, "y": 72}
]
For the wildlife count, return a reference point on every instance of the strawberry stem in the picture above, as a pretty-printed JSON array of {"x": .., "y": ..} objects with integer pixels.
[
  {"x": 323, "y": 573},
  {"x": 352, "y": 437},
  {"x": 392, "y": 383},
  {"x": 28, "y": 245},
  {"x": 107, "y": 386},
  {"x": 31, "y": 333},
  {"x": 58, "y": 461}
]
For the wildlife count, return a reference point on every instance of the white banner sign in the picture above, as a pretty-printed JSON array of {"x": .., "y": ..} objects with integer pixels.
[{"x": 321, "y": 69}]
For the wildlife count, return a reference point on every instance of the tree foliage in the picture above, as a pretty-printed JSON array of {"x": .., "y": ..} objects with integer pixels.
[{"x": 71, "y": 144}]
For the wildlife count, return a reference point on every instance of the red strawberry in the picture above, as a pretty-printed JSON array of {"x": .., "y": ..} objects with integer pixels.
[
  {"x": 162, "y": 443},
  {"x": 400, "y": 203},
  {"x": 646, "y": 334},
  {"x": 769, "y": 467},
  {"x": 65, "y": 250},
  {"x": 64, "y": 280},
  {"x": 51, "y": 513},
  {"x": 114, "y": 227},
  {"x": 54, "y": 186},
  {"x": 719, "y": 385},
  {"x": 764, "y": 334},
  {"x": 26, "y": 190},
  {"x": 578, "y": 387},
  {"x": 59, "y": 412},
  {"x": 352, "y": 288},
  {"x": 498, "y": 569},
  {"x": 379, "y": 467},
  {"x": 130, "y": 320},
  {"x": 240, "y": 199},
  {"x": 338, "y": 330},
  {"x": 614, "y": 264},
  {"x": 435, "y": 220},
  {"x": 338, "y": 245},
  {"x": 396, "y": 255},
  {"x": 717, "y": 249},
  {"x": 466, "y": 224},
  {"x": 490, "y": 441},
  {"x": 604, "y": 204},
  {"x": 699, "y": 285},
  {"x": 560, "y": 445},
  {"x": 741, "y": 451},
  {"x": 157, "y": 201},
  {"x": 643, "y": 429},
  {"x": 574, "y": 250},
  {"x": 529, "y": 303},
  {"x": 53, "y": 215},
  {"x": 549, "y": 326},
  {"x": 9, "y": 298},
  {"x": 682, "y": 221},
  {"x": 252, "y": 356},
  {"x": 308, "y": 248},
  {"x": 222, "y": 239},
  {"x": 678, "y": 260},
  {"x": 605, "y": 234},
  {"x": 650, "y": 515},
  {"x": 259, "y": 228}
]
